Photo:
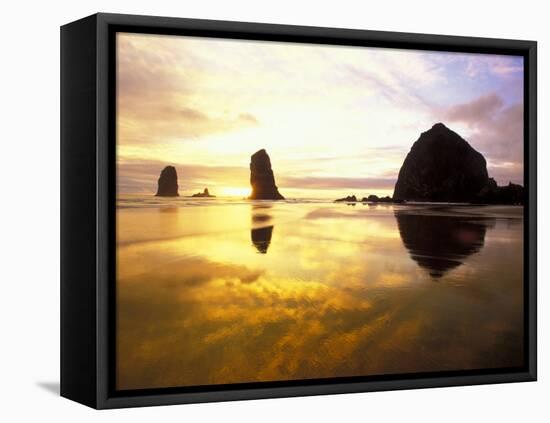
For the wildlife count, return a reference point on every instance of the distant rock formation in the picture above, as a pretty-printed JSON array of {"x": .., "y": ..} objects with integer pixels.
[
  {"x": 205, "y": 193},
  {"x": 168, "y": 182},
  {"x": 375, "y": 199},
  {"x": 262, "y": 178},
  {"x": 348, "y": 199},
  {"x": 441, "y": 166},
  {"x": 370, "y": 199},
  {"x": 511, "y": 194}
]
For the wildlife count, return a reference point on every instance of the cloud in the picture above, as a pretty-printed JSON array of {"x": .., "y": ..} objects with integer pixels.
[
  {"x": 496, "y": 130},
  {"x": 393, "y": 87},
  {"x": 336, "y": 182},
  {"x": 156, "y": 94},
  {"x": 506, "y": 66},
  {"x": 478, "y": 111},
  {"x": 478, "y": 66},
  {"x": 192, "y": 114},
  {"x": 505, "y": 172},
  {"x": 248, "y": 117}
]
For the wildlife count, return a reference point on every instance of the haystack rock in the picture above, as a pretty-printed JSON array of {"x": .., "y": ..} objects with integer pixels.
[
  {"x": 262, "y": 179},
  {"x": 441, "y": 166},
  {"x": 168, "y": 182}
]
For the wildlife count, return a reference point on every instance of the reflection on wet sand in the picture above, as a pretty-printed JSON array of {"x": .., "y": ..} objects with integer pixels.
[
  {"x": 439, "y": 243},
  {"x": 336, "y": 295},
  {"x": 261, "y": 236}
]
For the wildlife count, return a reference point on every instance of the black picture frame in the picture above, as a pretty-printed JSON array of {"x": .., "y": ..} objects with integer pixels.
[{"x": 88, "y": 208}]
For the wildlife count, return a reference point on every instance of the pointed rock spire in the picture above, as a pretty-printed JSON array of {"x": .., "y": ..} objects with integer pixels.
[{"x": 262, "y": 178}]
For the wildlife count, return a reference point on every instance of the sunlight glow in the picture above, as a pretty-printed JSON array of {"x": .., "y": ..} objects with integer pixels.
[{"x": 235, "y": 191}]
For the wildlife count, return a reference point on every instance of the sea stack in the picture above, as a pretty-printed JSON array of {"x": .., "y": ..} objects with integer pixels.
[
  {"x": 262, "y": 179},
  {"x": 441, "y": 166},
  {"x": 205, "y": 193},
  {"x": 168, "y": 183}
]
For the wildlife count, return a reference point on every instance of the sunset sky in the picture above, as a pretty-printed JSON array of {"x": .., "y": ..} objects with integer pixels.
[{"x": 335, "y": 120}]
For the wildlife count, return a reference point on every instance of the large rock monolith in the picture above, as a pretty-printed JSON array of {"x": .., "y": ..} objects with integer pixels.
[
  {"x": 441, "y": 166},
  {"x": 168, "y": 182},
  {"x": 262, "y": 178}
]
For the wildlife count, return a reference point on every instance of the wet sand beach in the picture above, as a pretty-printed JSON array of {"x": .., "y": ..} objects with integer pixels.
[{"x": 217, "y": 291}]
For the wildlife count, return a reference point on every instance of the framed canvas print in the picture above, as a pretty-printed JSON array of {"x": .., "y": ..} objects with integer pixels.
[{"x": 255, "y": 211}]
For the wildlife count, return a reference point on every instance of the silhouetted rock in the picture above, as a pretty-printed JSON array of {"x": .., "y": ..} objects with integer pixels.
[
  {"x": 262, "y": 179},
  {"x": 168, "y": 183},
  {"x": 490, "y": 187},
  {"x": 441, "y": 166},
  {"x": 375, "y": 199},
  {"x": 205, "y": 193},
  {"x": 511, "y": 194},
  {"x": 261, "y": 238},
  {"x": 439, "y": 243},
  {"x": 348, "y": 199}
]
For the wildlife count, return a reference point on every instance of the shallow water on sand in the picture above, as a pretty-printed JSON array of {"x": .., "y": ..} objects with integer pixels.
[{"x": 215, "y": 291}]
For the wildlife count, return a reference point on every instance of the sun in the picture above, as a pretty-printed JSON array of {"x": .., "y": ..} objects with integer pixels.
[{"x": 236, "y": 191}]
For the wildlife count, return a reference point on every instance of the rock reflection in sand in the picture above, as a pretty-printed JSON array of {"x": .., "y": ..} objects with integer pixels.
[{"x": 440, "y": 243}]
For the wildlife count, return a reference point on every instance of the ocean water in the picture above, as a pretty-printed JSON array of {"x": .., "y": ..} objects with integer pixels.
[{"x": 217, "y": 291}]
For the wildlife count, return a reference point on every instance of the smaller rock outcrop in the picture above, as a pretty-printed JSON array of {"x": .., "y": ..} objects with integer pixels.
[
  {"x": 262, "y": 178},
  {"x": 511, "y": 194},
  {"x": 348, "y": 199},
  {"x": 370, "y": 199},
  {"x": 203, "y": 194},
  {"x": 168, "y": 183},
  {"x": 375, "y": 199}
]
